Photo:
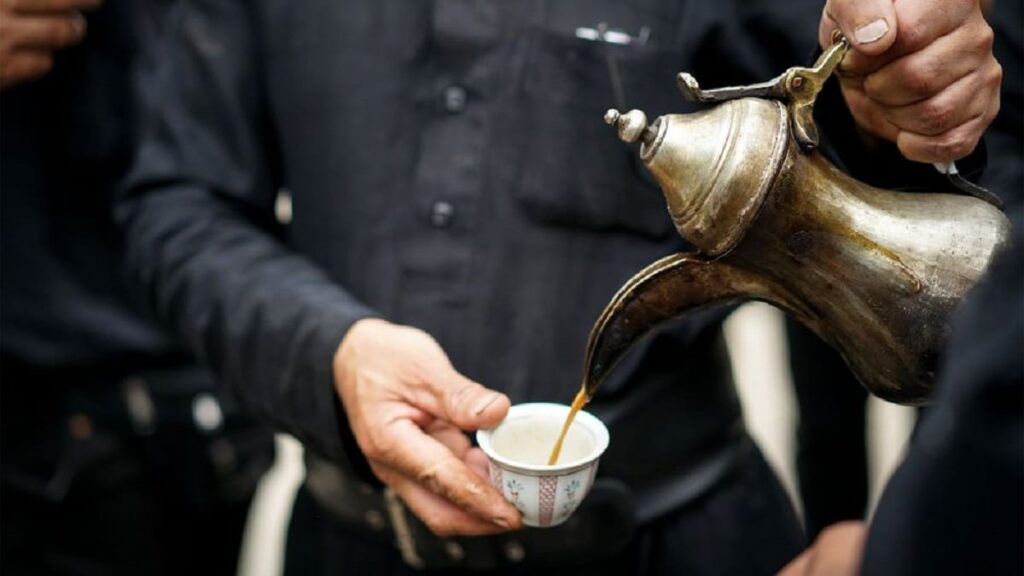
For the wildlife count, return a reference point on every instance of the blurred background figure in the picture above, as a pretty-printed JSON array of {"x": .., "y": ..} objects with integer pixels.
[{"x": 117, "y": 455}]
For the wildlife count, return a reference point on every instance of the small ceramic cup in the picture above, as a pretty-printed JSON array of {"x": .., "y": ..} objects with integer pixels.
[{"x": 519, "y": 448}]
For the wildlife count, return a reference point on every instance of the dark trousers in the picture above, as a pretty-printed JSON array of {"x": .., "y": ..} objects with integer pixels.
[
  {"x": 831, "y": 451},
  {"x": 744, "y": 526},
  {"x": 86, "y": 489},
  {"x": 118, "y": 526}
]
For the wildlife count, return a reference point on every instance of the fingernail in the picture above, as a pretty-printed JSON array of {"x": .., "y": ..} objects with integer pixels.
[
  {"x": 77, "y": 25},
  {"x": 871, "y": 32},
  {"x": 483, "y": 404},
  {"x": 502, "y": 523}
]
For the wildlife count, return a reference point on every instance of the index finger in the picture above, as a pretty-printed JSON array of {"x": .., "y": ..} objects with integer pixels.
[
  {"x": 433, "y": 465},
  {"x": 439, "y": 515},
  {"x": 48, "y": 32},
  {"x": 36, "y": 6}
]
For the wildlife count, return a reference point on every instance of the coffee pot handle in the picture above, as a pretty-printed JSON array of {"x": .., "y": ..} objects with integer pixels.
[{"x": 798, "y": 86}]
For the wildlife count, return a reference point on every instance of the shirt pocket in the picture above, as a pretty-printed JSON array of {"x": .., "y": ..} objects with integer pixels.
[{"x": 576, "y": 172}]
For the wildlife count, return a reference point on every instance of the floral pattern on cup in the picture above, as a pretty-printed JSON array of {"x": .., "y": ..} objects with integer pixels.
[
  {"x": 571, "y": 487},
  {"x": 515, "y": 488}
]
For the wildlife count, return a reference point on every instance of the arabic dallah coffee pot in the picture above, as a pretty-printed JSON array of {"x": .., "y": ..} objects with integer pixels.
[{"x": 875, "y": 273}]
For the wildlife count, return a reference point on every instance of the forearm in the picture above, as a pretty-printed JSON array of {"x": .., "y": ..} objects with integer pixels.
[
  {"x": 201, "y": 239},
  {"x": 266, "y": 320}
]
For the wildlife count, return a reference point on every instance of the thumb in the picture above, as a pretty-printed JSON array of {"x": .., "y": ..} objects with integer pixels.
[
  {"x": 869, "y": 25},
  {"x": 467, "y": 404}
]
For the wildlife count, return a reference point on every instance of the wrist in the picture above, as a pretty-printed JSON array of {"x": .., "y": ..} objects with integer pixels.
[{"x": 354, "y": 340}]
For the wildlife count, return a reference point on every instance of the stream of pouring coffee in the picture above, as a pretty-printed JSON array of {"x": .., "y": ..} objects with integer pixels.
[{"x": 577, "y": 404}]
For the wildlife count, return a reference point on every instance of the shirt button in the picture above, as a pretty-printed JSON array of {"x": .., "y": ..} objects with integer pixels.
[
  {"x": 514, "y": 551},
  {"x": 454, "y": 550},
  {"x": 441, "y": 214},
  {"x": 375, "y": 519},
  {"x": 466, "y": 162},
  {"x": 454, "y": 99},
  {"x": 206, "y": 413}
]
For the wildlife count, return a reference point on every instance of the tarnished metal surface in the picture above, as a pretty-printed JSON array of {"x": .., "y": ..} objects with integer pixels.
[
  {"x": 715, "y": 188},
  {"x": 873, "y": 272},
  {"x": 798, "y": 86}
]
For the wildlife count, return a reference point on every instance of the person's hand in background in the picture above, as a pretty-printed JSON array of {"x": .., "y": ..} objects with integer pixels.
[
  {"x": 32, "y": 30},
  {"x": 407, "y": 407},
  {"x": 836, "y": 552},
  {"x": 920, "y": 73}
]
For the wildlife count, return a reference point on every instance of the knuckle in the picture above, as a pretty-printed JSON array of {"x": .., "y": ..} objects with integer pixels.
[
  {"x": 953, "y": 148},
  {"x": 996, "y": 75},
  {"x": 986, "y": 37},
  {"x": 71, "y": 30},
  {"x": 912, "y": 34},
  {"x": 935, "y": 117},
  {"x": 992, "y": 112},
  {"x": 57, "y": 33},
  {"x": 856, "y": 65},
  {"x": 67, "y": 31},
  {"x": 378, "y": 447},
  {"x": 369, "y": 449},
  {"x": 430, "y": 479},
  {"x": 918, "y": 82},
  {"x": 963, "y": 10},
  {"x": 462, "y": 395},
  {"x": 963, "y": 146},
  {"x": 873, "y": 86}
]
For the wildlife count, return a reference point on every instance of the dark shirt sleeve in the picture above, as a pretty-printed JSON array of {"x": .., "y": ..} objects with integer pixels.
[
  {"x": 197, "y": 211},
  {"x": 956, "y": 505}
]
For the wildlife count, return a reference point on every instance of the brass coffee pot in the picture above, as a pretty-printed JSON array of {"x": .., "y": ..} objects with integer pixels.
[{"x": 875, "y": 273}]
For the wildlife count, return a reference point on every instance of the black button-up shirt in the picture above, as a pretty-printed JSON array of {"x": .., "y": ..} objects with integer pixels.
[{"x": 448, "y": 168}]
